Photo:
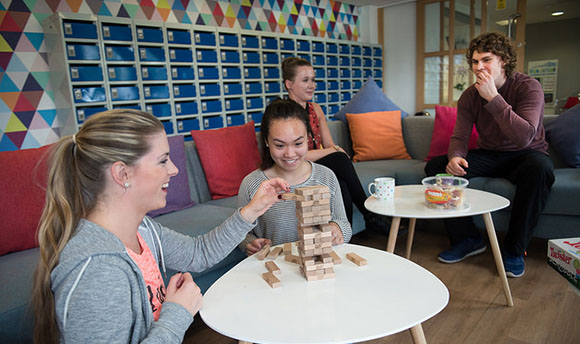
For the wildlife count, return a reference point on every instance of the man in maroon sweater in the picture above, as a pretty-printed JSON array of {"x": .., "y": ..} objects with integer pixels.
[{"x": 507, "y": 108}]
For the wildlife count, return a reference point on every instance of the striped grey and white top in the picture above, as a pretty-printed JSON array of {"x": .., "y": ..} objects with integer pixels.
[{"x": 279, "y": 223}]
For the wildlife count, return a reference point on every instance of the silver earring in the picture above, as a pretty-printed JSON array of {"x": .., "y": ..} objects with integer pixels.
[{"x": 127, "y": 185}]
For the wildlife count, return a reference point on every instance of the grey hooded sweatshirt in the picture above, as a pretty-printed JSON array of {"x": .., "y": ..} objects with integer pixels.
[{"x": 100, "y": 294}]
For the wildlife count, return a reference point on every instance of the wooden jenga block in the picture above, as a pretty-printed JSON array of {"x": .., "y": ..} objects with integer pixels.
[
  {"x": 273, "y": 268},
  {"x": 287, "y": 248},
  {"x": 355, "y": 258},
  {"x": 292, "y": 259},
  {"x": 326, "y": 227},
  {"x": 335, "y": 258},
  {"x": 308, "y": 261},
  {"x": 272, "y": 280},
  {"x": 274, "y": 253},
  {"x": 326, "y": 258},
  {"x": 304, "y": 247},
  {"x": 289, "y": 196},
  {"x": 306, "y": 229},
  {"x": 323, "y": 201},
  {"x": 304, "y": 204},
  {"x": 310, "y": 190},
  {"x": 300, "y": 213},
  {"x": 319, "y": 266},
  {"x": 263, "y": 252}
]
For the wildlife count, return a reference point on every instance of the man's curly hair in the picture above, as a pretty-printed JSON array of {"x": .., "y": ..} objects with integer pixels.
[{"x": 497, "y": 44}]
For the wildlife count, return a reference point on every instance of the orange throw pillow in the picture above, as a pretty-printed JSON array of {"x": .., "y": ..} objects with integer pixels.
[{"x": 377, "y": 135}]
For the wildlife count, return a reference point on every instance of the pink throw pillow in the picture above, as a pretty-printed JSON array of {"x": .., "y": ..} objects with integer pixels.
[{"x": 445, "y": 118}]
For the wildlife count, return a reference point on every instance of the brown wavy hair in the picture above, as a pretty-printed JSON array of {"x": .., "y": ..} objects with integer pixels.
[{"x": 498, "y": 44}]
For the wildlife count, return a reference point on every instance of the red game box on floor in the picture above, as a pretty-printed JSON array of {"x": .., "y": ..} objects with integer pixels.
[{"x": 564, "y": 257}]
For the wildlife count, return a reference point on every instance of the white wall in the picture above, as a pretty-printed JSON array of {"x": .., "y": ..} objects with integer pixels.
[{"x": 368, "y": 24}]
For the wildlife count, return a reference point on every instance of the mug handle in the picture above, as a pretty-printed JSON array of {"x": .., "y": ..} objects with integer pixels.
[{"x": 370, "y": 187}]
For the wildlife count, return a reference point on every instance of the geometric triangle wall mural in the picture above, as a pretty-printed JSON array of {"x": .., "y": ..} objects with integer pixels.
[{"x": 26, "y": 95}]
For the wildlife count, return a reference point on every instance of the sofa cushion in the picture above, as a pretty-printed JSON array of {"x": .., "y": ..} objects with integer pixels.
[
  {"x": 445, "y": 118},
  {"x": 22, "y": 183},
  {"x": 405, "y": 172},
  {"x": 377, "y": 135},
  {"x": 563, "y": 136},
  {"x": 227, "y": 156},
  {"x": 369, "y": 98},
  {"x": 178, "y": 195}
]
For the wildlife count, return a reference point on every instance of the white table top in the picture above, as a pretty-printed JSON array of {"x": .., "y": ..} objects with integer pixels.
[
  {"x": 389, "y": 295},
  {"x": 409, "y": 202}
]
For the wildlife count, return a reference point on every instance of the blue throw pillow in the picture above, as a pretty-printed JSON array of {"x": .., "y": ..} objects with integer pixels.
[
  {"x": 370, "y": 98},
  {"x": 563, "y": 135}
]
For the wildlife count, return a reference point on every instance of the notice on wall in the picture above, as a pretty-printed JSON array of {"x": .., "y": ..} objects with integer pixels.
[{"x": 546, "y": 72}]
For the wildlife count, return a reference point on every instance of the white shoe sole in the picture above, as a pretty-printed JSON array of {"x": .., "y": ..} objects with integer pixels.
[{"x": 470, "y": 254}]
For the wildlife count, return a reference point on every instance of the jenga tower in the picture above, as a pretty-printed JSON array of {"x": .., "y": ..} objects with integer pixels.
[{"x": 314, "y": 232}]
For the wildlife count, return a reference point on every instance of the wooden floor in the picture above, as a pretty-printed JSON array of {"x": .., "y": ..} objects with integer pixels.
[{"x": 546, "y": 308}]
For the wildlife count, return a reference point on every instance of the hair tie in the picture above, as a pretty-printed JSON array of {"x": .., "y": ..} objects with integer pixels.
[{"x": 74, "y": 138}]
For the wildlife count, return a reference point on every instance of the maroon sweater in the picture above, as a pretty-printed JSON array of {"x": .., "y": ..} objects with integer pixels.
[{"x": 512, "y": 121}]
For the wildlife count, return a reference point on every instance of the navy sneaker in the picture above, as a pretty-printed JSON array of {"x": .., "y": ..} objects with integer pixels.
[
  {"x": 514, "y": 265},
  {"x": 467, "y": 248}
]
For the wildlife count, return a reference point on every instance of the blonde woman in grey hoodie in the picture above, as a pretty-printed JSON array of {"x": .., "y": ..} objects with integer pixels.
[{"x": 101, "y": 257}]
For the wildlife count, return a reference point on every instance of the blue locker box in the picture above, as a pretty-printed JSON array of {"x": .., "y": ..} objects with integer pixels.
[
  {"x": 182, "y": 73},
  {"x": 231, "y": 73},
  {"x": 85, "y": 112},
  {"x": 151, "y": 54},
  {"x": 233, "y": 120},
  {"x": 356, "y": 62},
  {"x": 272, "y": 87},
  {"x": 318, "y": 60},
  {"x": 377, "y": 63},
  {"x": 86, "y": 73},
  {"x": 378, "y": 74},
  {"x": 124, "y": 93},
  {"x": 229, "y": 40},
  {"x": 252, "y": 73},
  {"x": 79, "y": 29},
  {"x": 230, "y": 56},
  {"x": 323, "y": 107},
  {"x": 204, "y": 38},
  {"x": 250, "y": 42},
  {"x": 213, "y": 122},
  {"x": 333, "y": 97},
  {"x": 355, "y": 50},
  {"x": 269, "y": 43},
  {"x": 159, "y": 109},
  {"x": 114, "y": 32},
  {"x": 184, "y": 91},
  {"x": 377, "y": 52},
  {"x": 211, "y": 106},
  {"x": 79, "y": 51},
  {"x": 270, "y": 99},
  {"x": 379, "y": 83},
  {"x": 271, "y": 58},
  {"x": 254, "y": 103},
  {"x": 332, "y": 109},
  {"x": 153, "y": 73},
  {"x": 235, "y": 104},
  {"x": 185, "y": 108},
  {"x": 271, "y": 72},
  {"x": 178, "y": 36},
  {"x": 89, "y": 94},
  {"x": 209, "y": 90},
  {"x": 180, "y": 55},
  {"x": 331, "y": 48},
  {"x": 320, "y": 98},
  {"x": 332, "y": 85},
  {"x": 251, "y": 57},
  {"x": 318, "y": 47},
  {"x": 168, "y": 125},
  {"x": 320, "y": 85},
  {"x": 305, "y": 56},
  {"x": 232, "y": 89},
  {"x": 256, "y": 117},
  {"x": 345, "y": 73},
  {"x": 356, "y": 85},
  {"x": 332, "y": 61},
  {"x": 208, "y": 73},
  {"x": 206, "y": 56},
  {"x": 303, "y": 45},
  {"x": 367, "y": 73},
  {"x": 284, "y": 55},
  {"x": 127, "y": 106},
  {"x": 156, "y": 92},
  {"x": 345, "y": 61},
  {"x": 367, "y": 62},
  {"x": 357, "y": 73},
  {"x": 119, "y": 53},
  {"x": 367, "y": 51},
  {"x": 149, "y": 34},
  {"x": 286, "y": 44},
  {"x": 253, "y": 87},
  {"x": 319, "y": 73},
  {"x": 345, "y": 96},
  {"x": 122, "y": 73},
  {"x": 344, "y": 49},
  {"x": 187, "y": 125},
  {"x": 332, "y": 73}
]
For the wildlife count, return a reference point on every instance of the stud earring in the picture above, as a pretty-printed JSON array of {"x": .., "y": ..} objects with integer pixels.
[{"x": 126, "y": 185}]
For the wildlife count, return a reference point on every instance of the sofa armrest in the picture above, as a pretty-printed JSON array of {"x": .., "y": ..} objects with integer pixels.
[{"x": 341, "y": 135}]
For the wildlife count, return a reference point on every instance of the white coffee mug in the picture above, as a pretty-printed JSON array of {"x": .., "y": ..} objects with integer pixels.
[{"x": 384, "y": 188}]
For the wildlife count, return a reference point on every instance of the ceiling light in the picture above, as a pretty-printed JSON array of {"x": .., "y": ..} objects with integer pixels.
[
  {"x": 557, "y": 13},
  {"x": 502, "y": 22}
]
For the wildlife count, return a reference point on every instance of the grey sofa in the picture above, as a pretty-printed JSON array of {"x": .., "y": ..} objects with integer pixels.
[{"x": 561, "y": 218}]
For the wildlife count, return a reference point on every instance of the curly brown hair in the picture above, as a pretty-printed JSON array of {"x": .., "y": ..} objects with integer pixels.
[{"x": 498, "y": 44}]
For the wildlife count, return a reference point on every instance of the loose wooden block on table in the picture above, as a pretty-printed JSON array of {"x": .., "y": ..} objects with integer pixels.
[
  {"x": 274, "y": 253},
  {"x": 287, "y": 248},
  {"x": 272, "y": 280},
  {"x": 292, "y": 259},
  {"x": 335, "y": 258},
  {"x": 273, "y": 268},
  {"x": 355, "y": 258},
  {"x": 263, "y": 252}
]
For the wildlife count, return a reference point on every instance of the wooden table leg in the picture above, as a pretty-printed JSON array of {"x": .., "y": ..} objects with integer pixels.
[
  {"x": 497, "y": 256},
  {"x": 244, "y": 342},
  {"x": 393, "y": 234},
  {"x": 418, "y": 335},
  {"x": 410, "y": 237}
]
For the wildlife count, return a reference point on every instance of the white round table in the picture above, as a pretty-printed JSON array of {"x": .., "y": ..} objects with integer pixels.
[
  {"x": 388, "y": 295},
  {"x": 409, "y": 202}
]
